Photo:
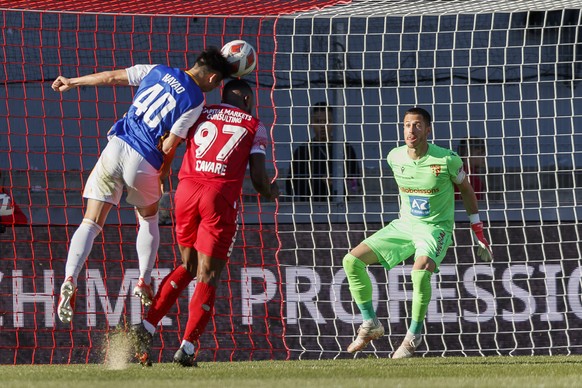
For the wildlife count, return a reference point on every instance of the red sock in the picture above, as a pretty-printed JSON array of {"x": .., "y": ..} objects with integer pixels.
[
  {"x": 200, "y": 311},
  {"x": 168, "y": 292}
]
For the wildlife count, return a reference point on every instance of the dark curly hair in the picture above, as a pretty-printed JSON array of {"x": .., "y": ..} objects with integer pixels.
[{"x": 212, "y": 59}]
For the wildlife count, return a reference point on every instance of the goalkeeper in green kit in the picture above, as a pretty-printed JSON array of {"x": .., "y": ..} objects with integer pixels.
[{"x": 425, "y": 174}]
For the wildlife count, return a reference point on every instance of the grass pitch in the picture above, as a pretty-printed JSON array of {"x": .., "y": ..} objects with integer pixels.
[{"x": 498, "y": 372}]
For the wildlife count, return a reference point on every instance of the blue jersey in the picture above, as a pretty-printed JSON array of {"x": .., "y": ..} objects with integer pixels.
[{"x": 167, "y": 100}]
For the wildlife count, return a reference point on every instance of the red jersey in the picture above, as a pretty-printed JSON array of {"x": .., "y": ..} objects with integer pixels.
[{"x": 219, "y": 146}]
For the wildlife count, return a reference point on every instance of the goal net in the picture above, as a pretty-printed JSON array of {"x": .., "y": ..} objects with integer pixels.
[
  {"x": 501, "y": 80},
  {"x": 505, "y": 80}
]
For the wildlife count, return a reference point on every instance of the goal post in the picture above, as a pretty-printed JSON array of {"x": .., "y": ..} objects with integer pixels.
[{"x": 505, "y": 76}]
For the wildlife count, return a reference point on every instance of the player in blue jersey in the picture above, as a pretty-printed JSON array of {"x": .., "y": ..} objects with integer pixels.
[
  {"x": 425, "y": 174},
  {"x": 139, "y": 154}
]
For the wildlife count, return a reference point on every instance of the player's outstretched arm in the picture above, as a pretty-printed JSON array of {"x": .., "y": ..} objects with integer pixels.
[
  {"x": 114, "y": 77},
  {"x": 260, "y": 178},
  {"x": 471, "y": 205}
]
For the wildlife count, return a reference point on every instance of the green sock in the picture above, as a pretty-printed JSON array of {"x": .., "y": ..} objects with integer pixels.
[
  {"x": 415, "y": 327},
  {"x": 360, "y": 285},
  {"x": 367, "y": 310},
  {"x": 421, "y": 296}
]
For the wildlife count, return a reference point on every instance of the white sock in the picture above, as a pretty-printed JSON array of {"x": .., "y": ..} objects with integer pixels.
[
  {"x": 188, "y": 347},
  {"x": 80, "y": 247},
  {"x": 147, "y": 243}
]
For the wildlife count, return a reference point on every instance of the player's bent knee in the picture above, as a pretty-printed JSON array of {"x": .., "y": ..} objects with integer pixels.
[
  {"x": 424, "y": 263},
  {"x": 352, "y": 264},
  {"x": 153, "y": 219},
  {"x": 191, "y": 265}
]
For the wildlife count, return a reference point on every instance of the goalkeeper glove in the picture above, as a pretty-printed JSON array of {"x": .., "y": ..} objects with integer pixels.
[{"x": 484, "y": 250}]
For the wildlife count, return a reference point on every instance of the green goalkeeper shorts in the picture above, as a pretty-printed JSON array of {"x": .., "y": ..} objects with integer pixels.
[{"x": 400, "y": 239}]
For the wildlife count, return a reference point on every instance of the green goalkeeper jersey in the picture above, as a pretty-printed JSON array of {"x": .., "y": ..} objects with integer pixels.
[{"x": 426, "y": 187}]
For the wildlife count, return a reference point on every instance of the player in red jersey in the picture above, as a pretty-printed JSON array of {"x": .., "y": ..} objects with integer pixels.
[{"x": 225, "y": 139}]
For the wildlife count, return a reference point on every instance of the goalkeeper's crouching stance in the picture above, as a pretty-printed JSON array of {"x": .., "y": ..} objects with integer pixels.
[{"x": 425, "y": 174}]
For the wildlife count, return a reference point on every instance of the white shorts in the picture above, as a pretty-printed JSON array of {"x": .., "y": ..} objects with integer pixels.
[{"x": 120, "y": 165}]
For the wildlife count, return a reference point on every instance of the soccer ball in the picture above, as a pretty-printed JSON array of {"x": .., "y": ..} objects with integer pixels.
[{"x": 241, "y": 56}]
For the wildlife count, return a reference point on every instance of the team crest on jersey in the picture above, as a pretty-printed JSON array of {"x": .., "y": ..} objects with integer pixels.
[{"x": 436, "y": 169}]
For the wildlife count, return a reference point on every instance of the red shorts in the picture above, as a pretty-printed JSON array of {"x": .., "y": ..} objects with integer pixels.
[{"x": 205, "y": 220}]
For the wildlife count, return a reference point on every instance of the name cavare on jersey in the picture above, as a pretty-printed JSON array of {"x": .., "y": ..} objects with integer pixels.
[{"x": 219, "y": 122}]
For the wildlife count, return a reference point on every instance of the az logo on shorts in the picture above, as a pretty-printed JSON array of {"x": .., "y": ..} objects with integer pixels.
[{"x": 419, "y": 206}]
